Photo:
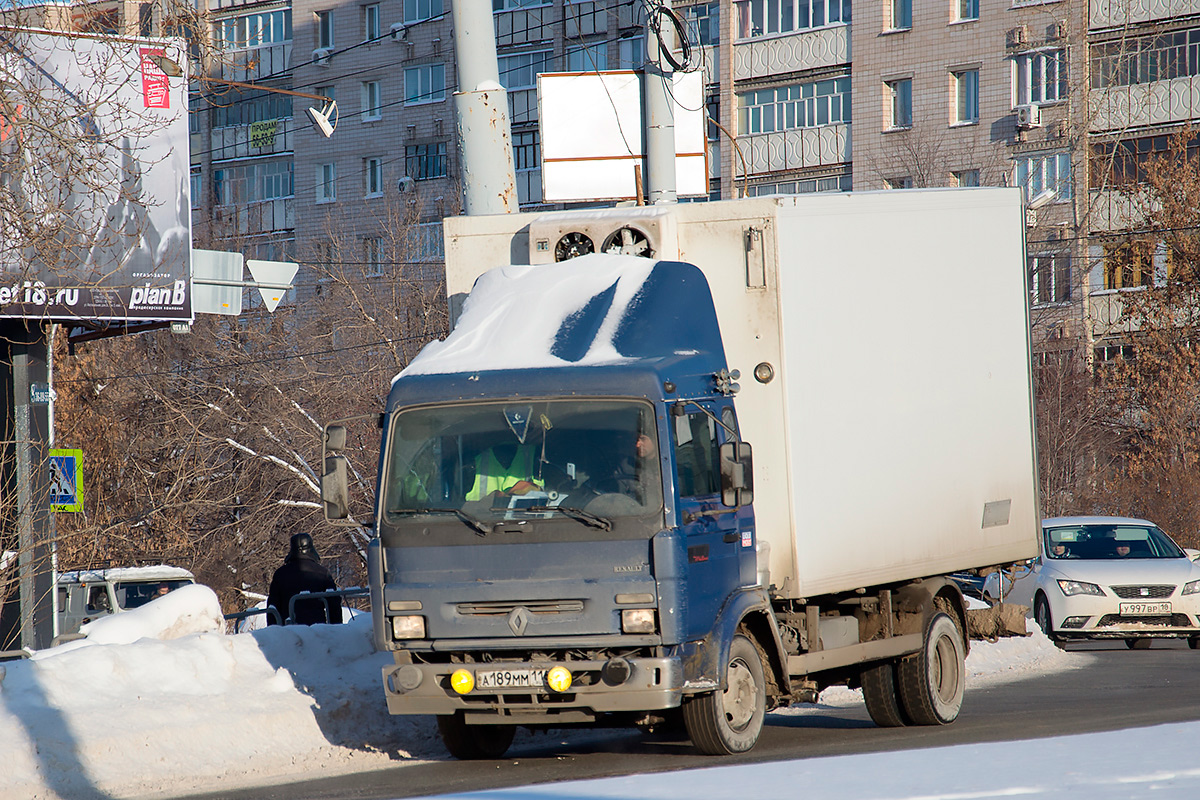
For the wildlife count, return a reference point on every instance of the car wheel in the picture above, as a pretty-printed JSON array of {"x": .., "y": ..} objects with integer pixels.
[
  {"x": 931, "y": 682},
  {"x": 472, "y": 742},
  {"x": 730, "y": 720},
  {"x": 1194, "y": 642},
  {"x": 880, "y": 695},
  {"x": 1041, "y": 615},
  {"x": 1142, "y": 643}
]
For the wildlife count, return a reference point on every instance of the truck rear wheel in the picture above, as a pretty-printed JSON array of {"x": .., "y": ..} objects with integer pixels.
[
  {"x": 472, "y": 742},
  {"x": 729, "y": 721},
  {"x": 932, "y": 681},
  {"x": 880, "y": 695}
]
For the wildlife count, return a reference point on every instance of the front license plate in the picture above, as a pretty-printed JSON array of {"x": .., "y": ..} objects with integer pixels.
[
  {"x": 510, "y": 678},
  {"x": 1136, "y": 609}
]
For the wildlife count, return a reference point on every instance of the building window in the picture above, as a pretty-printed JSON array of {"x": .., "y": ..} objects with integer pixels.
[
  {"x": 967, "y": 10},
  {"x": 252, "y": 183},
  {"x": 1041, "y": 171},
  {"x": 373, "y": 255},
  {"x": 587, "y": 57},
  {"x": 371, "y": 22},
  {"x": 424, "y": 84},
  {"x": 1143, "y": 59},
  {"x": 373, "y": 177},
  {"x": 324, "y": 29},
  {"x": 424, "y": 162},
  {"x": 1050, "y": 278},
  {"x": 326, "y": 183},
  {"x": 964, "y": 178},
  {"x": 527, "y": 160},
  {"x": 512, "y": 5},
  {"x": 900, "y": 102},
  {"x": 518, "y": 75},
  {"x": 417, "y": 10},
  {"x": 704, "y": 23},
  {"x": 966, "y": 96},
  {"x": 253, "y": 30},
  {"x": 1124, "y": 163},
  {"x": 242, "y": 107},
  {"x": 901, "y": 15},
  {"x": 631, "y": 52},
  {"x": 839, "y": 183},
  {"x": 802, "y": 105},
  {"x": 1040, "y": 77},
  {"x": 372, "y": 101},
  {"x": 426, "y": 242},
  {"x": 1134, "y": 263},
  {"x": 768, "y": 17},
  {"x": 905, "y": 182}
]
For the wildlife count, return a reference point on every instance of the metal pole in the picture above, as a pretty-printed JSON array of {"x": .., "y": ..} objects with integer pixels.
[
  {"x": 660, "y": 113},
  {"x": 481, "y": 106}
]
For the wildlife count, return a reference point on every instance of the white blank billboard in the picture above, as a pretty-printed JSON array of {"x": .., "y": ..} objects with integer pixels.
[{"x": 591, "y": 135}]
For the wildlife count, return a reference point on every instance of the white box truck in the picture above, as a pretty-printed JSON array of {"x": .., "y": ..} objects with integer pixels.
[{"x": 585, "y": 515}]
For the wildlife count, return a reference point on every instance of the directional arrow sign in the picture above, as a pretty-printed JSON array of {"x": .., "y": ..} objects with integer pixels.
[{"x": 272, "y": 278}]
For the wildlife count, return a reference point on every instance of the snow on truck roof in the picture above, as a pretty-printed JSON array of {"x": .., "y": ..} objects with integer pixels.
[
  {"x": 513, "y": 316},
  {"x": 159, "y": 572}
]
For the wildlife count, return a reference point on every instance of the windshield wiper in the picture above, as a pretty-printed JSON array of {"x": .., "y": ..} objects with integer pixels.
[
  {"x": 480, "y": 528},
  {"x": 578, "y": 514}
]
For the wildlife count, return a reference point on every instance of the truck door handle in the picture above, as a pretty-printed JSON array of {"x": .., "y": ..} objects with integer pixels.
[{"x": 730, "y": 538}]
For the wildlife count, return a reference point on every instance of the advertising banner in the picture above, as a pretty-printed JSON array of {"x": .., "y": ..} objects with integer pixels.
[{"x": 95, "y": 219}]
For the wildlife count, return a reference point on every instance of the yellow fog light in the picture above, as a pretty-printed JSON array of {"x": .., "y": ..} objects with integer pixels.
[
  {"x": 462, "y": 681},
  {"x": 559, "y": 679}
]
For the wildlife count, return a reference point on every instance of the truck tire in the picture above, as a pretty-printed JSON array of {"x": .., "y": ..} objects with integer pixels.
[
  {"x": 879, "y": 693},
  {"x": 932, "y": 681},
  {"x": 473, "y": 742},
  {"x": 729, "y": 721}
]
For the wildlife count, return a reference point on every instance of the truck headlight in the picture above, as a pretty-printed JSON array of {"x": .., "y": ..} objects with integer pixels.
[
  {"x": 1191, "y": 587},
  {"x": 408, "y": 627},
  {"x": 637, "y": 620},
  {"x": 1079, "y": 587}
]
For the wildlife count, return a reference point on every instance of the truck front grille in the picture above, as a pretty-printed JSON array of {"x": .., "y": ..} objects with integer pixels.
[{"x": 504, "y": 608}]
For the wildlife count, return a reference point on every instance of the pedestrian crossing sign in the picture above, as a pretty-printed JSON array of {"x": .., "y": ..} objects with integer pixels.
[{"x": 66, "y": 480}]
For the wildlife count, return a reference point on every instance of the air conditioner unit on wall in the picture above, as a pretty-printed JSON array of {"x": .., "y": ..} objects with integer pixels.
[
  {"x": 321, "y": 56},
  {"x": 646, "y": 231},
  {"x": 1029, "y": 116}
]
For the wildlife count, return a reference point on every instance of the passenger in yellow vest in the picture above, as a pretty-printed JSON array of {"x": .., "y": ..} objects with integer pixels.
[{"x": 507, "y": 469}]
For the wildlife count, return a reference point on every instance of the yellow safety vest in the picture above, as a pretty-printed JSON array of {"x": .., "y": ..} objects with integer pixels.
[{"x": 492, "y": 476}]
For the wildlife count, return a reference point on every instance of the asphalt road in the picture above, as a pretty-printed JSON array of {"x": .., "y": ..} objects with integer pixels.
[{"x": 1119, "y": 688}]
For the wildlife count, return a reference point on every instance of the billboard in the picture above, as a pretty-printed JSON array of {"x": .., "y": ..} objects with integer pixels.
[
  {"x": 95, "y": 219},
  {"x": 591, "y": 134}
]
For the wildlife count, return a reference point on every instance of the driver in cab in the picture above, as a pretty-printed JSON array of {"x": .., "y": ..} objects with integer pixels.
[{"x": 504, "y": 469}]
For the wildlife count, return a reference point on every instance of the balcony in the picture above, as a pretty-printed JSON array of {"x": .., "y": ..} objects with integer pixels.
[
  {"x": 1112, "y": 210},
  {"x": 1111, "y": 13},
  {"x": 1104, "y": 308},
  {"x": 795, "y": 149},
  {"x": 253, "y": 64},
  {"x": 1145, "y": 104},
  {"x": 792, "y": 52},
  {"x": 236, "y": 142},
  {"x": 266, "y": 216}
]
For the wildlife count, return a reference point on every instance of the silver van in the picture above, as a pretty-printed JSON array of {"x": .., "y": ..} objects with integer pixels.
[{"x": 85, "y": 595}]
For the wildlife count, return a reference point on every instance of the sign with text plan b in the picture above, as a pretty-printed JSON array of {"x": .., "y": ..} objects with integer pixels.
[{"x": 591, "y": 133}]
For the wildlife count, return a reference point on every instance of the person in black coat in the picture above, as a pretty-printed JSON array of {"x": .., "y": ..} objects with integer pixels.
[{"x": 302, "y": 572}]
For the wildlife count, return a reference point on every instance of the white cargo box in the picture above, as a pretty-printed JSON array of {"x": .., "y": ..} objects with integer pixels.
[{"x": 894, "y": 439}]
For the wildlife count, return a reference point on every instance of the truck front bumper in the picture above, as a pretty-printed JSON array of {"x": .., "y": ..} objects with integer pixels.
[{"x": 597, "y": 687}]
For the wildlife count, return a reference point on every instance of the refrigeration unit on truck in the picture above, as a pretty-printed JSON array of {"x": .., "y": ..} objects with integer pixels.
[{"x": 572, "y": 528}]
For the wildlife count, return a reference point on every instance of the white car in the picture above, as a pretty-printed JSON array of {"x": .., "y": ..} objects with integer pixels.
[{"x": 1113, "y": 578}]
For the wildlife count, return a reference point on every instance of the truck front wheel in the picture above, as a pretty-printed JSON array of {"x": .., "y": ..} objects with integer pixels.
[
  {"x": 932, "y": 681},
  {"x": 472, "y": 742},
  {"x": 729, "y": 721}
]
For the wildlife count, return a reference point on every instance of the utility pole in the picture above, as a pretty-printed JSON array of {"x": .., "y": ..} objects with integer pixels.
[
  {"x": 24, "y": 481},
  {"x": 481, "y": 106},
  {"x": 660, "y": 114}
]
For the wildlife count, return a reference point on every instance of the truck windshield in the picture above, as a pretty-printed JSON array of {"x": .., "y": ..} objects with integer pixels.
[{"x": 589, "y": 461}]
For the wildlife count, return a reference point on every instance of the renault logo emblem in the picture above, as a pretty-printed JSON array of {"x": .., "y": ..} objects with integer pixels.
[{"x": 518, "y": 620}]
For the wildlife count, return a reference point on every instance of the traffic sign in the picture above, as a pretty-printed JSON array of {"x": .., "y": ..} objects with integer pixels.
[
  {"x": 273, "y": 278},
  {"x": 66, "y": 480}
]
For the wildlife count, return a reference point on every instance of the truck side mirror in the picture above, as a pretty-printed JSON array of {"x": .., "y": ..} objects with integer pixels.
[
  {"x": 335, "y": 489},
  {"x": 737, "y": 474}
]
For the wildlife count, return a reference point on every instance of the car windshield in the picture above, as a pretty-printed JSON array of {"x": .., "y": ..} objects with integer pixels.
[
  {"x": 588, "y": 461},
  {"x": 1100, "y": 541},
  {"x": 132, "y": 594}
]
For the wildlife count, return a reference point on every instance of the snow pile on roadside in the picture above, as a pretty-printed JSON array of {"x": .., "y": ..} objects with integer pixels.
[{"x": 134, "y": 712}]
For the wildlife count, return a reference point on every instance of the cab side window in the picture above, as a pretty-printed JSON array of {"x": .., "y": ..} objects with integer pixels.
[{"x": 696, "y": 455}]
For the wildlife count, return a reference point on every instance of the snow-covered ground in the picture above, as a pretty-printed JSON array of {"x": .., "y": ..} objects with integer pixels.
[{"x": 159, "y": 702}]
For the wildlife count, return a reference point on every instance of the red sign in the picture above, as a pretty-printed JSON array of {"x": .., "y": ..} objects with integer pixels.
[{"x": 156, "y": 86}]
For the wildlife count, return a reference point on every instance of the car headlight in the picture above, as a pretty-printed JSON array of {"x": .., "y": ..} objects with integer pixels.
[
  {"x": 408, "y": 627},
  {"x": 637, "y": 620},
  {"x": 1191, "y": 587},
  {"x": 1079, "y": 587}
]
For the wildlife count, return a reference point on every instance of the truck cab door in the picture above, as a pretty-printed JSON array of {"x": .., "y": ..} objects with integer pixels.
[{"x": 712, "y": 531}]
